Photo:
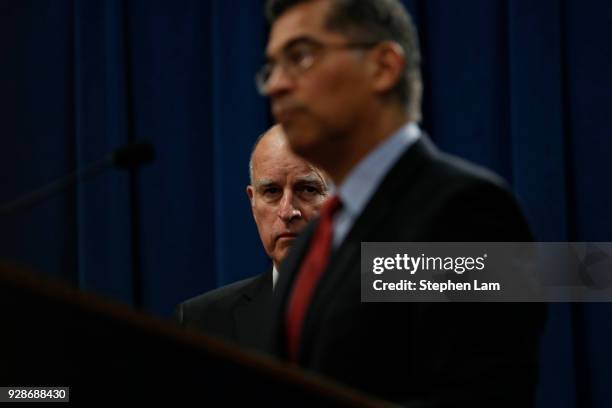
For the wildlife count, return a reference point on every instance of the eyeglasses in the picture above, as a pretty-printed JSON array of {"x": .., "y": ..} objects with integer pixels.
[{"x": 298, "y": 57}]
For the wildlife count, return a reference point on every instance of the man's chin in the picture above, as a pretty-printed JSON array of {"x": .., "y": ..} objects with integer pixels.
[
  {"x": 283, "y": 243},
  {"x": 302, "y": 140},
  {"x": 282, "y": 248}
]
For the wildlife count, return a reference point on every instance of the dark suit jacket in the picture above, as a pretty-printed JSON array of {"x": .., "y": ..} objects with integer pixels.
[
  {"x": 235, "y": 312},
  {"x": 426, "y": 354}
]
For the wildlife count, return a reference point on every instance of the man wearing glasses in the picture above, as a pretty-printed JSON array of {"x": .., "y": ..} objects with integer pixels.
[{"x": 343, "y": 78}]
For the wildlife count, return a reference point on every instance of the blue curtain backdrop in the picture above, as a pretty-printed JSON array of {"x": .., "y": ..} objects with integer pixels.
[{"x": 522, "y": 87}]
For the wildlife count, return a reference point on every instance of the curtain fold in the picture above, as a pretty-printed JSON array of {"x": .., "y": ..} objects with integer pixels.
[{"x": 101, "y": 123}]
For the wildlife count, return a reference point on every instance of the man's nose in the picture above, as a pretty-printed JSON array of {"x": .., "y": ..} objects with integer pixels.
[
  {"x": 288, "y": 211},
  {"x": 278, "y": 83}
]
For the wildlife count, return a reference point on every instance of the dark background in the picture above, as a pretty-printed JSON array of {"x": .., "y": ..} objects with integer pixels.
[{"x": 522, "y": 87}]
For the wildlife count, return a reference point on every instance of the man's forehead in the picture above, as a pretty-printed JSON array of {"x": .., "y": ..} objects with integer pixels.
[
  {"x": 302, "y": 20},
  {"x": 304, "y": 177}
]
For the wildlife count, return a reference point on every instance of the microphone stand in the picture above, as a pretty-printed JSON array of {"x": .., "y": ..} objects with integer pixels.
[{"x": 129, "y": 156}]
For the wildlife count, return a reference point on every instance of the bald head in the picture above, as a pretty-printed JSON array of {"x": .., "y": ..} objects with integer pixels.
[
  {"x": 274, "y": 131},
  {"x": 285, "y": 192}
]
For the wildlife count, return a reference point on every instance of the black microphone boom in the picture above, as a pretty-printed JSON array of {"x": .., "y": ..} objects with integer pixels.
[{"x": 130, "y": 156}]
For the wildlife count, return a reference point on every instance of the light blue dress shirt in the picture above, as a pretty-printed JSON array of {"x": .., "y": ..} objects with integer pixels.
[{"x": 361, "y": 183}]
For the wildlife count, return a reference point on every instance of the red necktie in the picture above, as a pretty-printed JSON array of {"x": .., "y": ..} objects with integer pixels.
[{"x": 312, "y": 268}]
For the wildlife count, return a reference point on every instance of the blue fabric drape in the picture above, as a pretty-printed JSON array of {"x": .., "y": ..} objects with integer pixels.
[
  {"x": 101, "y": 122},
  {"x": 521, "y": 87}
]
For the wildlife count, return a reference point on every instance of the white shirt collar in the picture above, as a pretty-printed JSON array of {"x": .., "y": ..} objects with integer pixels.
[{"x": 274, "y": 276}]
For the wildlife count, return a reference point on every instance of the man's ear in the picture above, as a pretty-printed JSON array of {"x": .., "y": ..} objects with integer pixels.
[
  {"x": 388, "y": 66},
  {"x": 250, "y": 193}
]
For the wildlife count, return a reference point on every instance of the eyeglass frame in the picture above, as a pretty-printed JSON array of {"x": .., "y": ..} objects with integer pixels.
[{"x": 295, "y": 69}]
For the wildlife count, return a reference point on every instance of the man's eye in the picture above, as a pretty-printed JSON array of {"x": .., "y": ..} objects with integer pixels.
[
  {"x": 310, "y": 190},
  {"x": 271, "y": 190},
  {"x": 296, "y": 56}
]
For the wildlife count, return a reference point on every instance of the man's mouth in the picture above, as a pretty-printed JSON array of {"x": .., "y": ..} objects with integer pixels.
[
  {"x": 286, "y": 235},
  {"x": 285, "y": 111},
  {"x": 284, "y": 115}
]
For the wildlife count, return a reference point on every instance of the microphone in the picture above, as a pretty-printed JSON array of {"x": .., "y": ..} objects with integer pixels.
[{"x": 127, "y": 157}]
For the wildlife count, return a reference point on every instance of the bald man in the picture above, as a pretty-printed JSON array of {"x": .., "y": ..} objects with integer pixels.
[{"x": 285, "y": 192}]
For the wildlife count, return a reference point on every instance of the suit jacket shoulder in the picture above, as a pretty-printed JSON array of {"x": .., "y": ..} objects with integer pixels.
[
  {"x": 232, "y": 312},
  {"x": 432, "y": 196}
]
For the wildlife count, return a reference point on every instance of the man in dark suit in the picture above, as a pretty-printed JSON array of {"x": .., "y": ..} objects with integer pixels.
[
  {"x": 285, "y": 193},
  {"x": 344, "y": 81}
]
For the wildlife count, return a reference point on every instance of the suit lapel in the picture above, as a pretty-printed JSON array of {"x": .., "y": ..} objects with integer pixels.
[
  {"x": 348, "y": 254},
  {"x": 288, "y": 271},
  {"x": 369, "y": 226},
  {"x": 252, "y": 311}
]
